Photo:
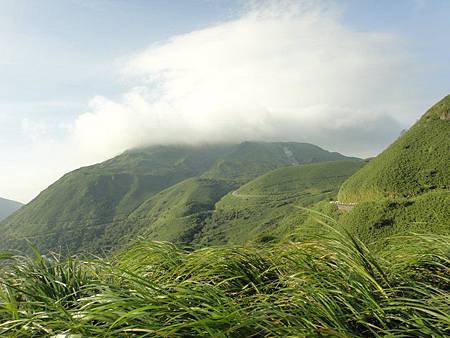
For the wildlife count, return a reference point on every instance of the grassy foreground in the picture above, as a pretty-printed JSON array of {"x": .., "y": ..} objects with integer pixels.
[{"x": 324, "y": 287}]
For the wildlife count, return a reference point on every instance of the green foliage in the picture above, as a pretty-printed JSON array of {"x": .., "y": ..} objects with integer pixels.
[
  {"x": 406, "y": 187},
  {"x": 414, "y": 164},
  {"x": 177, "y": 213},
  {"x": 269, "y": 207},
  {"x": 320, "y": 220},
  {"x": 194, "y": 211},
  {"x": 327, "y": 287},
  {"x": 252, "y": 159},
  {"x": 74, "y": 212},
  {"x": 98, "y": 207},
  {"x": 374, "y": 220}
]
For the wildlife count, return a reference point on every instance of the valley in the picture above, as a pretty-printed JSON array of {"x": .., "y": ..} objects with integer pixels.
[
  {"x": 224, "y": 169},
  {"x": 102, "y": 206}
]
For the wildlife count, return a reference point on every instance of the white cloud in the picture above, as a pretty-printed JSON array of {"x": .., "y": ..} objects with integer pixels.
[{"x": 285, "y": 70}]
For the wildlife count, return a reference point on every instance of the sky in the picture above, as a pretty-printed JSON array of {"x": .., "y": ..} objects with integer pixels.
[{"x": 81, "y": 81}]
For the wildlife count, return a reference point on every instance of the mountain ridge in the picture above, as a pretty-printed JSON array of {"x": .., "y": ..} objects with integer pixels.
[
  {"x": 413, "y": 164},
  {"x": 406, "y": 188},
  {"x": 85, "y": 205}
]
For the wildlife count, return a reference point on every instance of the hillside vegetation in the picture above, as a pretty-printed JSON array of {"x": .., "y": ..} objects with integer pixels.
[
  {"x": 415, "y": 163},
  {"x": 252, "y": 159},
  {"x": 407, "y": 187},
  {"x": 89, "y": 209},
  {"x": 177, "y": 213},
  {"x": 374, "y": 220},
  {"x": 203, "y": 211},
  {"x": 269, "y": 207},
  {"x": 264, "y": 253}
]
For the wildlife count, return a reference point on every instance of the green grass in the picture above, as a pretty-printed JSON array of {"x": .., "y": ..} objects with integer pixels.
[
  {"x": 252, "y": 159},
  {"x": 407, "y": 187},
  {"x": 95, "y": 208},
  {"x": 176, "y": 214},
  {"x": 83, "y": 204},
  {"x": 195, "y": 212},
  {"x": 324, "y": 287},
  {"x": 374, "y": 220},
  {"x": 416, "y": 163},
  {"x": 267, "y": 208}
]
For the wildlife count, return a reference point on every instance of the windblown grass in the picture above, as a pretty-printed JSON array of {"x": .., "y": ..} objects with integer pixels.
[{"x": 323, "y": 287}]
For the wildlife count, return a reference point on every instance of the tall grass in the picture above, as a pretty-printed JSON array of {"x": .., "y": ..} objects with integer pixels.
[{"x": 333, "y": 287}]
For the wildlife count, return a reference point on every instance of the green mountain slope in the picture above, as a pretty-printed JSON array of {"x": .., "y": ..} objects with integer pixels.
[
  {"x": 74, "y": 211},
  {"x": 187, "y": 212},
  {"x": 252, "y": 159},
  {"x": 417, "y": 162},
  {"x": 373, "y": 221},
  {"x": 89, "y": 209},
  {"x": 7, "y": 207},
  {"x": 177, "y": 214},
  {"x": 270, "y": 206},
  {"x": 407, "y": 187}
]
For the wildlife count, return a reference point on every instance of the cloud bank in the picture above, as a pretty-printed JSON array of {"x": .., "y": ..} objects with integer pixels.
[{"x": 281, "y": 71}]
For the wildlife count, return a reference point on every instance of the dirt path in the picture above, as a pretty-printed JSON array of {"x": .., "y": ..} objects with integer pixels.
[
  {"x": 339, "y": 205},
  {"x": 236, "y": 194},
  {"x": 344, "y": 206}
]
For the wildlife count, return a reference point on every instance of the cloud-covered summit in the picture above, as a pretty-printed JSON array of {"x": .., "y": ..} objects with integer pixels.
[
  {"x": 279, "y": 70},
  {"x": 291, "y": 71}
]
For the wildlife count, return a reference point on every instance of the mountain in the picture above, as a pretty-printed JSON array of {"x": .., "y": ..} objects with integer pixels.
[
  {"x": 178, "y": 213},
  {"x": 204, "y": 211},
  {"x": 95, "y": 207},
  {"x": 415, "y": 163},
  {"x": 407, "y": 187},
  {"x": 7, "y": 207},
  {"x": 272, "y": 205},
  {"x": 250, "y": 159}
]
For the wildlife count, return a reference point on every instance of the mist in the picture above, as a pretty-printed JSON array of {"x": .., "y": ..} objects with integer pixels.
[
  {"x": 287, "y": 72},
  {"x": 279, "y": 71}
]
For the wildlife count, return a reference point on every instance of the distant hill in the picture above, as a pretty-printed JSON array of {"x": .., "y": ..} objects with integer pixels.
[
  {"x": 407, "y": 187},
  {"x": 95, "y": 207},
  {"x": 7, "y": 207}
]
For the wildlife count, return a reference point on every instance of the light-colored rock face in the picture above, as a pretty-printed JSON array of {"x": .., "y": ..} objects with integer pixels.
[
  {"x": 290, "y": 155},
  {"x": 445, "y": 115},
  {"x": 344, "y": 206}
]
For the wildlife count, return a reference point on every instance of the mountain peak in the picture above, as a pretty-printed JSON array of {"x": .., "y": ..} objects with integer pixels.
[{"x": 89, "y": 208}]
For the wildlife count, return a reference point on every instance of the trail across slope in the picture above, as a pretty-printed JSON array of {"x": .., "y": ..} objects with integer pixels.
[
  {"x": 106, "y": 202},
  {"x": 264, "y": 207}
]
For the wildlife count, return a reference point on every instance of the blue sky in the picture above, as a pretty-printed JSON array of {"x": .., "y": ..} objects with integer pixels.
[
  {"x": 73, "y": 73},
  {"x": 67, "y": 51}
]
